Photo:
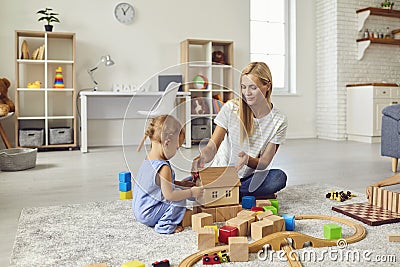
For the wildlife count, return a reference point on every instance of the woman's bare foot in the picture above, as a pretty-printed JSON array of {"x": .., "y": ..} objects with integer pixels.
[{"x": 178, "y": 229}]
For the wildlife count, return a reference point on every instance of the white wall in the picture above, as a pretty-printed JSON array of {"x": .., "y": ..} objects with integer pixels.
[
  {"x": 338, "y": 64},
  {"x": 151, "y": 44}
]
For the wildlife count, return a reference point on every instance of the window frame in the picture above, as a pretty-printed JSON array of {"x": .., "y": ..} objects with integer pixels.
[{"x": 289, "y": 61}]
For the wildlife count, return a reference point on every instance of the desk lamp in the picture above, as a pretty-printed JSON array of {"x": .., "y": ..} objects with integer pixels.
[{"x": 107, "y": 61}]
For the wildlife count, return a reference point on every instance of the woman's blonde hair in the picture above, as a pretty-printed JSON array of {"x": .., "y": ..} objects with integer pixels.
[
  {"x": 261, "y": 71},
  {"x": 162, "y": 127}
]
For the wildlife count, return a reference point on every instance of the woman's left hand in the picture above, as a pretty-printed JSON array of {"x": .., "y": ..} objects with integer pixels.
[{"x": 243, "y": 159}]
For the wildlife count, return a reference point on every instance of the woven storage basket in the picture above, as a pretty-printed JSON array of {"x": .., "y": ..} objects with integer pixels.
[{"x": 17, "y": 159}]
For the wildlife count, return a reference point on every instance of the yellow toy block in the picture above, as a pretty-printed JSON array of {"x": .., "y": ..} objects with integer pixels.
[
  {"x": 215, "y": 229},
  {"x": 125, "y": 195},
  {"x": 134, "y": 263}
]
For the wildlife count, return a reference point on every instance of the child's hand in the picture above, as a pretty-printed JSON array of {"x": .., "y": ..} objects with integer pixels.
[
  {"x": 243, "y": 159},
  {"x": 197, "y": 164},
  {"x": 197, "y": 191}
]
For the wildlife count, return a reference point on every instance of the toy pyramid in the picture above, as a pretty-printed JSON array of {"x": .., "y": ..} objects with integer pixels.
[{"x": 58, "y": 81}]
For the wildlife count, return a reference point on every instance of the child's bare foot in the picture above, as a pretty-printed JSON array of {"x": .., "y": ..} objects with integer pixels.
[{"x": 178, "y": 229}]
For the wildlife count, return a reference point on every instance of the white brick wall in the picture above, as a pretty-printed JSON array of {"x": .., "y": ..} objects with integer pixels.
[{"x": 337, "y": 63}]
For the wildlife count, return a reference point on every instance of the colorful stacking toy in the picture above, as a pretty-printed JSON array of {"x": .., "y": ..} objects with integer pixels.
[
  {"x": 125, "y": 185},
  {"x": 58, "y": 81}
]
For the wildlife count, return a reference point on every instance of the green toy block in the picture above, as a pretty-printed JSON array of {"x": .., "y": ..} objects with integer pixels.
[
  {"x": 271, "y": 208},
  {"x": 275, "y": 203},
  {"x": 134, "y": 263},
  {"x": 332, "y": 231}
]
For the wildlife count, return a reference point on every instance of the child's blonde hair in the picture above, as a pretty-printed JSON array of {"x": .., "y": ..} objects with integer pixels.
[{"x": 161, "y": 127}]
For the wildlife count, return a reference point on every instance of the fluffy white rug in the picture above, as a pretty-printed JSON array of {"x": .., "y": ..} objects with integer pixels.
[{"x": 75, "y": 235}]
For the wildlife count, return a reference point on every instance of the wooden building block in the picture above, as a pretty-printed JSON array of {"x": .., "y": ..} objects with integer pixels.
[
  {"x": 248, "y": 202},
  {"x": 205, "y": 238},
  {"x": 238, "y": 248},
  {"x": 290, "y": 222},
  {"x": 332, "y": 231},
  {"x": 196, "y": 209},
  {"x": 395, "y": 202},
  {"x": 261, "y": 228},
  {"x": 240, "y": 224},
  {"x": 394, "y": 238},
  {"x": 134, "y": 263},
  {"x": 246, "y": 213},
  {"x": 371, "y": 196},
  {"x": 215, "y": 228},
  {"x": 125, "y": 195},
  {"x": 375, "y": 196},
  {"x": 187, "y": 218},
  {"x": 263, "y": 202},
  {"x": 398, "y": 203},
  {"x": 275, "y": 203},
  {"x": 279, "y": 223},
  {"x": 249, "y": 220},
  {"x": 385, "y": 195},
  {"x": 379, "y": 201},
  {"x": 228, "y": 212},
  {"x": 97, "y": 265},
  {"x": 201, "y": 219},
  {"x": 211, "y": 211},
  {"x": 271, "y": 208},
  {"x": 264, "y": 214},
  {"x": 389, "y": 200}
]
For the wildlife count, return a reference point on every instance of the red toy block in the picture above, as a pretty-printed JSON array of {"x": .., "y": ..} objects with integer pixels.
[
  {"x": 164, "y": 263},
  {"x": 227, "y": 231},
  {"x": 257, "y": 209}
]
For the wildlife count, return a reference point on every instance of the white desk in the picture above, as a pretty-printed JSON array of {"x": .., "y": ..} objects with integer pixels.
[{"x": 115, "y": 105}]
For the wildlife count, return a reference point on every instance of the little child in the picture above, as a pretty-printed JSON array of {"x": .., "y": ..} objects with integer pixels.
[{"x": 157, "y": 202}]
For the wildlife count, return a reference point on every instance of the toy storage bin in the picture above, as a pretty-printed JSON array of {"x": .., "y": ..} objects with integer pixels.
[
  {"x": 31, "y": 137},
  {"x": 60, "y": 135},
  {"x": 200, "y": 131},
  {"x": 17, "y": 159}
]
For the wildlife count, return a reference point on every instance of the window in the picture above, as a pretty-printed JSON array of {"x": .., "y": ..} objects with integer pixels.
[
  {"x": 214, "y": 194},
  {"x": 228, "y": 193},
  {"x": 269, "y": 39}
]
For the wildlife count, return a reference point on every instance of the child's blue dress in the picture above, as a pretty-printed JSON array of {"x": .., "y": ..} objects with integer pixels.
[{"x": 149, "y": 205}]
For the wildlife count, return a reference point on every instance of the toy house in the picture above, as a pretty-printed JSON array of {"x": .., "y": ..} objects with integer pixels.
[{"x": 221, "y": 186}]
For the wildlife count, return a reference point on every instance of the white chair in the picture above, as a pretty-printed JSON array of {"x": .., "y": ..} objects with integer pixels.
[{"x": 166, "y": 103}]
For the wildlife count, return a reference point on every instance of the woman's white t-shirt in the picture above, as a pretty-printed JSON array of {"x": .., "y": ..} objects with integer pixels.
[{"x": 268, "y": 129}]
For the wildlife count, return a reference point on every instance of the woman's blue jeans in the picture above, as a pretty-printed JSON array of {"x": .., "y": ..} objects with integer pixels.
[{"x": 263, "y": 183}]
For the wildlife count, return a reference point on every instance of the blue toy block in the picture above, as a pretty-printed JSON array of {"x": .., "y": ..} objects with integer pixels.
[
  {"x": 289, "y": 222},
  {"x": 248, "y": 202},
  {"x": 125, "y": 187},
  {"x": 124, "y": 177}
]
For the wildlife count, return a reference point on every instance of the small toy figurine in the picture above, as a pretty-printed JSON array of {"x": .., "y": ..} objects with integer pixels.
[
  {"x": 223, "y": 256},
  {"x": 164, "y": 263},
  {"x": 339, "y": 196},
  {"x": 209, "y": 260}
]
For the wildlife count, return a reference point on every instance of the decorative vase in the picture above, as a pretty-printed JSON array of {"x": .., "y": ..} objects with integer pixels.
[{"x": 48, "y": 28}]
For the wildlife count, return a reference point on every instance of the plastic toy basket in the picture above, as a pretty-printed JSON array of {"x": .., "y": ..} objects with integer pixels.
[{"x": 17, "y": 159}]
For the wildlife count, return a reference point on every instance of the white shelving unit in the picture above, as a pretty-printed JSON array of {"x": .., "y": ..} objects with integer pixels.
[
  {"x": 46, "y": 107},
  {"x": 197, "y": 59}
]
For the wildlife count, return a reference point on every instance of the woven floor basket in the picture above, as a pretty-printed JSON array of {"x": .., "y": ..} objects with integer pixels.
[{"x": 17, "y": 159}]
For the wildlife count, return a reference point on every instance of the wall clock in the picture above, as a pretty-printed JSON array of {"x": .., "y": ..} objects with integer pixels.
[{"x": 124, "y": 13}]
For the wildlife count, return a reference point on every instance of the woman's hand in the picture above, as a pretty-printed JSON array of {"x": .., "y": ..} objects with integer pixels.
[
  {"x": 197, "y": 191},
  {"x": 243, "y": 159},
  {"x": 186, "y": 183},
  {"x": 197, "y": 164}
]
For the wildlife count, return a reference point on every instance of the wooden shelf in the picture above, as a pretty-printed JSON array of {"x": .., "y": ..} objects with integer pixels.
[
  {"x": 364, "y": 43},
  {"x": 364, "y": 13}
]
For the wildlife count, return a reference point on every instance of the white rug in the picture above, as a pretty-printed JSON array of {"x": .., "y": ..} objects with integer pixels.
[{"x": 75, "y": 235}]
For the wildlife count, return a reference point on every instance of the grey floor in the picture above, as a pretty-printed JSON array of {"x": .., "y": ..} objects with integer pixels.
[{"x": 65, "y": 177}]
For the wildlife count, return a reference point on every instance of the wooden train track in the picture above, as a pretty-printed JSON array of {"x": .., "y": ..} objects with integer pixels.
[{"x": 279, "y": 240}]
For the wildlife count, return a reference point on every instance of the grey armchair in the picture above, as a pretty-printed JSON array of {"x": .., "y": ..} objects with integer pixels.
[{"x": 390, "y": 140}]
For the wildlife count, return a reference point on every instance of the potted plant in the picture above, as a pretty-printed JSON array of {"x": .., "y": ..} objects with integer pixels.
[{"x": 49, "y": 16}]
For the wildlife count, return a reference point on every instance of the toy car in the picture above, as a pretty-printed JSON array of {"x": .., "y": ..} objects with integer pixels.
[
  {"x": 164, "y": 263},
  {"x": 223, "y": 256},
  {"x": 211, "y": 259}
]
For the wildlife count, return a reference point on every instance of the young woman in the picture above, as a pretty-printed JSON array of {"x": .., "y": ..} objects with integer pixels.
[
  {"x": 157, "y": 202},
  {"x": 248, "y": 133}
]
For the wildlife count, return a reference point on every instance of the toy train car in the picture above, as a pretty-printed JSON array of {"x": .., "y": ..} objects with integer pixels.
[
  {"x": 164, "y": 263},
  {"x": 211, "y": 259}
]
